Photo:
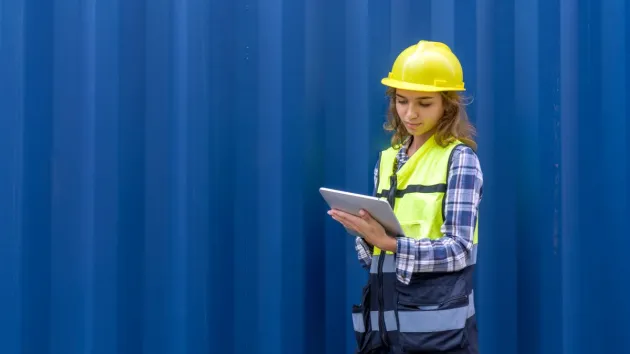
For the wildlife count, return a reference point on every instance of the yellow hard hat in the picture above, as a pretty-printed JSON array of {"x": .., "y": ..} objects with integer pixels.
[{"x": 426, "y": 66}]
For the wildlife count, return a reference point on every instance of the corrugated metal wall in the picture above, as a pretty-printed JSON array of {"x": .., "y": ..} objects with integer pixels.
[{"x": 161, "y": 161}]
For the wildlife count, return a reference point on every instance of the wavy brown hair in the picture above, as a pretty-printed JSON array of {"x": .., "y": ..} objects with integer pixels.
[{"x": 454, "y": 124}]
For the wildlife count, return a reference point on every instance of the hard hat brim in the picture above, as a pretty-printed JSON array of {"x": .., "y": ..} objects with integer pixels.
[{"x": 418, "y": 87}]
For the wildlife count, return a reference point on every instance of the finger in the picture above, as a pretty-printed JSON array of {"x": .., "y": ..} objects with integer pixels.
[
  {"x": 348, "y": 220},
  {"x": 365, "y": 215},
  {"x": 340, "y": 212},
  {"x": 341, "y": 221},
  {"x": 368, "y": 219},
  {"x": 345, "y": 222},
  {"x": 346, "y": 216},
  {"x": 348, "y": 227}
]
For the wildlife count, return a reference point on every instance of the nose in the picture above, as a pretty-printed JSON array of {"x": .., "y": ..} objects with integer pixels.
[{"x": 411, "y": 114}]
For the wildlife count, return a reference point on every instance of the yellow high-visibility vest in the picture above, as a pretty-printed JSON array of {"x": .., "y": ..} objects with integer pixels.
[{"x": 419, "y": 189}]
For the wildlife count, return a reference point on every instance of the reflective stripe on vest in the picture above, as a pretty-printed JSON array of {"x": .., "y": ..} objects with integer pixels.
[
  {"x": 425, "y": 320},
  {"x": 419, "y": 190}
]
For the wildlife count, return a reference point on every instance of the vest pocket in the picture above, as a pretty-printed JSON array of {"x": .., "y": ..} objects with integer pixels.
[{"x": 432, "y": 326}]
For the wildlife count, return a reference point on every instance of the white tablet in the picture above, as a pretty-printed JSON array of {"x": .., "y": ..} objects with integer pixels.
[{"x": 352, "y": 203}]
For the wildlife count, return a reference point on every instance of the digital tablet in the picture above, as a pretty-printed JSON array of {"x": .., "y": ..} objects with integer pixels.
[{"x": 352, "y": 203}]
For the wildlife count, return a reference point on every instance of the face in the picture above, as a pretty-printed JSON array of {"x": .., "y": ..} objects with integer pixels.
[{"x": 419, "y": 111}]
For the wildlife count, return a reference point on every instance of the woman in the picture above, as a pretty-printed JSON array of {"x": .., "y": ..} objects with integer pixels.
[{"x": 419, "y": 295}]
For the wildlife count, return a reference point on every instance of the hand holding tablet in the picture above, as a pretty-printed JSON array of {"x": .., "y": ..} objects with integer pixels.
[{"x": 352, "y": 203}]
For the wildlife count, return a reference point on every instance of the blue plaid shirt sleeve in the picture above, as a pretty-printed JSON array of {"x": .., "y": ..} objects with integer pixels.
[
  {"x": 364, "y": 250},
  {"x": 452, "y": 251}
]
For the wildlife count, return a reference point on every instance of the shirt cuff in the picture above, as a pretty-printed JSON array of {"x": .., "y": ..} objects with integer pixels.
[
  {"x": 364, "y": 251},
  {"x": 406, "y": 251}
]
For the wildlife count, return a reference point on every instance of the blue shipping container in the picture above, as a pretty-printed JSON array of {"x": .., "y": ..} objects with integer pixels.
[{"x": 161, "y": 161}]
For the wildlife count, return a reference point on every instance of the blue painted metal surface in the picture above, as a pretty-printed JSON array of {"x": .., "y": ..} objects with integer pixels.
[{"x": 161, "y": 162}]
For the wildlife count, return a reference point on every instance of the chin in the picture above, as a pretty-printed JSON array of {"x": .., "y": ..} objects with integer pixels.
[{"x": 417, "y": 132}]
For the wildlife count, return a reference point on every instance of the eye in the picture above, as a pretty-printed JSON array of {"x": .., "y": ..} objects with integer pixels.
[
  {"x": 402, "y": 101},
  {"x": 425, "y": 104}
]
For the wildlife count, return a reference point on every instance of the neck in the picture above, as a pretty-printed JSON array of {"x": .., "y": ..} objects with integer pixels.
[{"x": 418, "y": 141}]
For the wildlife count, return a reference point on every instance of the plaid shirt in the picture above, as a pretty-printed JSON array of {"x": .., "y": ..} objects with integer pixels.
[{"x": 448, "y": 253}]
